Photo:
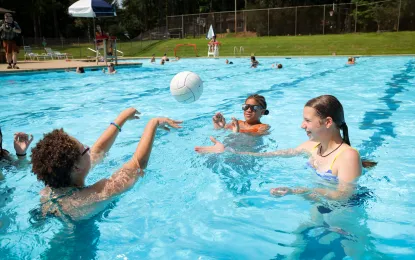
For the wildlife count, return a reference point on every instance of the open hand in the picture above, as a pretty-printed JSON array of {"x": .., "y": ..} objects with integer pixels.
[
  {"x": 22, "y": 142},
  {"x": 218, "y": 147},
  {"x": 218, "y": 121},
  {"x": 235, "y": 125},
  {"x": 163, "y": 122}
]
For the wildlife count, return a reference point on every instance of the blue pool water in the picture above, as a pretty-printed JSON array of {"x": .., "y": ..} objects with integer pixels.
[{"x": 191, "y": 206}]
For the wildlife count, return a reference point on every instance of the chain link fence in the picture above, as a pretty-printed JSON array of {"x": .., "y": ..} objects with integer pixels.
[{"x": 299, "y": 20}]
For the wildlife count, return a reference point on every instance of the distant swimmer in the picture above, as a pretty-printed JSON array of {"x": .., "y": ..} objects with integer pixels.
[
  {"x": 111, "y": 69},
  {"x": 254, "y": 62}
]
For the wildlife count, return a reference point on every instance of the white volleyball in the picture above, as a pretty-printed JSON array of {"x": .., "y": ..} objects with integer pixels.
[{"x": 186, "y": 87}]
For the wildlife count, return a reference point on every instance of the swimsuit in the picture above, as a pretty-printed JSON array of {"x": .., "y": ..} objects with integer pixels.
[
  {"x": 55, "y": 207},
  {"x": 251, "y": 129},
  {"x": 328, "y": 175}
]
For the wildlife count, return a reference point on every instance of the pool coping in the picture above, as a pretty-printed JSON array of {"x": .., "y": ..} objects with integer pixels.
[
  {"x": 90, "y": 66},
  {"x": 71, "y": 68}
]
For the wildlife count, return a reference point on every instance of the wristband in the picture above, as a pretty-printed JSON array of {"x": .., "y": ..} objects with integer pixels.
[
  {"x": 117, "y": 126},
  {"x": 21, "y": 154}
]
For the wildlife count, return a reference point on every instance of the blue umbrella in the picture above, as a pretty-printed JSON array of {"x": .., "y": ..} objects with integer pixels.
[{"x": 91, "y": 8}]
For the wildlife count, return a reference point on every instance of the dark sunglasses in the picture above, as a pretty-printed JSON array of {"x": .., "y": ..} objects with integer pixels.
[
  {"x": 254, "y": 108},
  {"x": 85, "y": 151}
]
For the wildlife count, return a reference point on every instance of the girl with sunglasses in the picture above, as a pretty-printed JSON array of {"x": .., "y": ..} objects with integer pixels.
[
  {"x": 62, "y": 163},
  {"x": 254, "y": 108},
  {"x": 331, "y": 155}
]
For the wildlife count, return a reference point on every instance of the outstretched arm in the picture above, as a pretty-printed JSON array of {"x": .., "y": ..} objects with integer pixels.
[
  {"x": 106, "y": 140},
  {"x": 218, "y": 147},
  {"x": 125, "y": 177},
  {"x": 287, "y": 153}
]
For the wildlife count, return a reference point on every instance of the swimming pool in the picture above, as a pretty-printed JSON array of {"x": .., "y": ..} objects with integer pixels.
[{"x": 192, "y": 206}]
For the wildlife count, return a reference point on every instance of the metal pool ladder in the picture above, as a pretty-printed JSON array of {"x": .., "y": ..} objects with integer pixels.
[{"x": 241, "y": 50}]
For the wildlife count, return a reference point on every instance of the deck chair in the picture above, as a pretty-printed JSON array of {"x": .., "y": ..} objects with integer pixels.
[
  {"x": 28, "y": 53},
  {"x": 57, "y": 54}
]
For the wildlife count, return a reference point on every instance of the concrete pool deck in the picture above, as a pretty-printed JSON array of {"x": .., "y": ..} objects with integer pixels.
[{"x": 35, "y": 65}]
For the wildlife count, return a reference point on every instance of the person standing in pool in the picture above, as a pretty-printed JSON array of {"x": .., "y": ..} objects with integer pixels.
[
  {"x": 330, "y": 153},
  {"x": 153, "y": 58},
  {"x": 165, "y": 57},
  {"x": 111, "y": 69},
  {"x": 351, "y": 61},
  {"x": 62, "y": 163},
  {"x": 80, "y": 70},
  {"x": 254, "y": 108},
  {"x": 254, "y": 62}
]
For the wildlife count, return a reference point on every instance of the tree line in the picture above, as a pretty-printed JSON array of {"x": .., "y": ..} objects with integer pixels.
[{"x": 49, "y": 18}]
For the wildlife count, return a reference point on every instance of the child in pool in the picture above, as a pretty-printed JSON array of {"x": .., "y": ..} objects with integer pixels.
[{"x": 254, "y": 108}]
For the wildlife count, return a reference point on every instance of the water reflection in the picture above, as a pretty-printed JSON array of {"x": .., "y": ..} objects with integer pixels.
[
  {"x": 337, "y": 230},
  {"x": 238, "y": 171}
]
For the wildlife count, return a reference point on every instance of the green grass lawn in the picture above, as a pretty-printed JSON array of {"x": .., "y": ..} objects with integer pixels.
[{"x": 343, "y": 44}]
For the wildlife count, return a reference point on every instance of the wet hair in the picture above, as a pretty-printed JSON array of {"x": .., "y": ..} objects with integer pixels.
[
  {"x": 279, "y": 66},
  {"x": 112, "y": 64},
  {"x": 1, "y": 145},
  {"x": 260, "y": 100},
  {"x": 81, "y": 69},
  {"x": 53, "y": 158},
  {"x": 253, "y": 58},
  {"x": 330, "y": 106},
  {"x": 350, "y": 59},
  {"x": 3, "y": 152}
]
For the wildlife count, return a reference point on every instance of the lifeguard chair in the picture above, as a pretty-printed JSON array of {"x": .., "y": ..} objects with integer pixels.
[
  {"x": 108, "y": 46},
  {"x": 213, "y": 49}
]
